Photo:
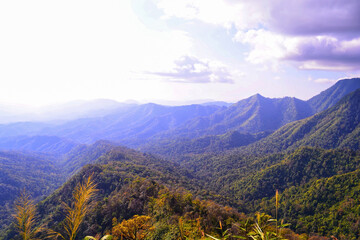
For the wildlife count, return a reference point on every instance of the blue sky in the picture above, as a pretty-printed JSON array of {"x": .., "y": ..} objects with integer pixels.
[{"x": 174, "y": 51}]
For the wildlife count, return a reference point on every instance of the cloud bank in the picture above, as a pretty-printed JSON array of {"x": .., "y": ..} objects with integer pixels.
[{"x": 323, "y": 34}]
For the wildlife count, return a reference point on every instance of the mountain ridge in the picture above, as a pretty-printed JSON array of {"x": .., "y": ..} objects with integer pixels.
[
  {"x": 335, "y": 127},
  {"x": 330, "y": 96}
]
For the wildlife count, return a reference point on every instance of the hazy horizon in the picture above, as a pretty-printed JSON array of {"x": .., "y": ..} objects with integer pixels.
[{"x": 166, "y": 102}]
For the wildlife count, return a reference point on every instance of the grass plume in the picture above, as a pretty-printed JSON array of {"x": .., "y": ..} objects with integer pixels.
[
  {"x": 277, "y": 208},
  {"x": 75, "y": 213},
  {"x": 25, "y": 216}
]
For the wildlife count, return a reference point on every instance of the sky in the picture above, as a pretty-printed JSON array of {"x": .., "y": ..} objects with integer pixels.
[{"x": 170, "y": 51}]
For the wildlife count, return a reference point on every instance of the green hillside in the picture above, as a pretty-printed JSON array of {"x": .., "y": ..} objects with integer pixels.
[
  {"x": 127, "y": 189},
  {"x": 332, "y": 95},
  {"x": 176, "y": 148},
  {"x": 254, "y": 114},
  {"x": 328, "y": 206},
  {"x": 38, "y": 174},
  {"x": 336, "y": 127}
]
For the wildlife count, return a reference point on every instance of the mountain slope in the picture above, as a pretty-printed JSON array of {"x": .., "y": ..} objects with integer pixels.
[
  {"x": 127, "y": 189},
  {"x": 329, "y": 206},
  {"x": 294, "y": 169},
  {"x": 124, "y": 192},
  {"x": 336, "y": 127},
  {"x": 138, "y": 123},
  {"x": 252, "y": 181},
  {"x": 332, "y": 95},
  {"x": 43, "y": 144},
  {"x": 134, "y": 125},
  {"x": 254, "y": 114},
  {"x": 38, "y": 174},
  {"x": 257, "y": 113},
  {"x": 178, "y": 148},
  {"x": 22, "y": 129},
  {"x": 41, "y": 176}
]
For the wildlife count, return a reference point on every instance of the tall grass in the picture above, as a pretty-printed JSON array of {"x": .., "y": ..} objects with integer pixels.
[
  {"x": 75, "y": 213},
  {"x": 277, "y": 209},
  {"x": 25, "y": 217}
]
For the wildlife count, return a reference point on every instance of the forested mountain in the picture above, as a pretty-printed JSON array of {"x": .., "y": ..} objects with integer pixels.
[
  {"x": 254, "y": 114},
  {"x": 22, "y": 129},
  {"x": 120, "y": 176},
  {"x": 329, "y": 206},
  {"x": 118, "y": 171},
  {"x": 335, "y": 127},
  {"x": 122, "y": 195},
  {"x": 252, "y": 182},
  {"x": 134, "y": 125},
  {"x": 38, "y": 174},
  {"x": 44, "y": 144},
  {"x": 293, "y": 169},
  {"x": 41, "y": 174},
  {"x": 207, "y": 144},
  {"x": 139, "y": 123},
  {"x": 132, "y": 184},
  {"x": 257, "y": 113},
  {"x": 332, "y": 95}
]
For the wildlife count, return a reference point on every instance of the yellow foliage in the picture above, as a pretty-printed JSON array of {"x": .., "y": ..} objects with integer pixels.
[
  {"x": 25, "y": 213},
  {"x": 136, "y": 228},
  {"x": 190, "y": 229},
  {"x": 75, "y": 213}
]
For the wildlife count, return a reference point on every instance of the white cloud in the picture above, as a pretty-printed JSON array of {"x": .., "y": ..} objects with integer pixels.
[
  {"x": 241, "y": 14},
  {"x": 308, "y": 52},
  {"x": 189, "y": 69},
  {"x": 291, "y": 17},
  {"x": 320, "y": 35},
  {"x": 266, "y": 47},
  {"x": 326, "y": 53}
]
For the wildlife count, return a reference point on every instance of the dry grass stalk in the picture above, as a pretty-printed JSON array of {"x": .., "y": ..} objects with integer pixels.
[
  {"x": 75, "y": 213},
  {"x": 25, "y": 216}
]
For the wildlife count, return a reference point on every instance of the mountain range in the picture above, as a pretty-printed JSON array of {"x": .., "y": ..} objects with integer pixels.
[
  {"x": 237, "y": 155},
  {"x": 135, "y": 125},
  {"x": 336, "y": 127},
  {"x": 257, "y": 113}
]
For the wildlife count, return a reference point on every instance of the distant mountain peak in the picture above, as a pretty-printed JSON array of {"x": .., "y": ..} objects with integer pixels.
[
  {"x": 338, "y": 126},
  {"x": 332, "y": 95},
  {"x": 257, "y": 95}
]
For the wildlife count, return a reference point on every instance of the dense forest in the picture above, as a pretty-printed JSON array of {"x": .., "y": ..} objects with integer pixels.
[{"x": 257, "y": 169}]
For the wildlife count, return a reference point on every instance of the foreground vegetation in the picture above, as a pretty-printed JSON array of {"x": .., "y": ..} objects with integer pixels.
[
  {"x": 319, "y": 189},
  {"x": 161, "y": 214}
]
